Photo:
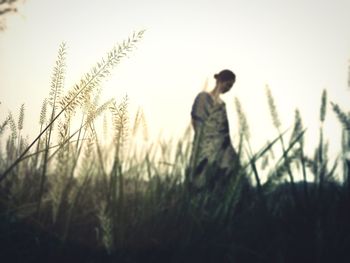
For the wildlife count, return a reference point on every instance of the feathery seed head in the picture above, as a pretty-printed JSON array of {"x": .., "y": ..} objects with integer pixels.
[
  {"x": 58, "y": 77},
  {"x": 145, "y": 131},
  {"x": 121, "y": 123},
  {"x": 342, "y": 116},
  {"x": 105, "y": 126},
  {"x": 12, "y": 126},
  {"x": 298, "y": 126},
  {"x": 3, "y": 125},
  {"x": 98, "y": 111},
  {"x": 243, "y": 123},
  {"x": 273, "y": 109},
  {"x": 323, "y": 106},
  {"x": 137, "y": 121},
  {"x": 43, "y": 112},
  {"x": 21, "y": 118},
  {"x": 92, "y": 80}
]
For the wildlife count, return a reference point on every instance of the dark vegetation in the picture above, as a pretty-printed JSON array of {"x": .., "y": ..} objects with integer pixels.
[{"x": 69, "y": 197}]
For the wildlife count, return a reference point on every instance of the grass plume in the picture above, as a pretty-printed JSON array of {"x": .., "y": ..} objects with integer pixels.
[
  {"x": 243, "y": 124},
  {"x": 273, "y": 110},
  {"x": 100, "y": 202},
  {"x": 323, "y": 106},
  {"x": 80, "y": 91},
  {"x": 343, "y": 117}
]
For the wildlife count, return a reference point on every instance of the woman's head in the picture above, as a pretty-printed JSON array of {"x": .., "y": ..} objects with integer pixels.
[{"x": 225, "y": 80}]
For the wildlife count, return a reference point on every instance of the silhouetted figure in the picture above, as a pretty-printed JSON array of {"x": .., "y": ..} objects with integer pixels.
[{"x": 213, "y": 156}]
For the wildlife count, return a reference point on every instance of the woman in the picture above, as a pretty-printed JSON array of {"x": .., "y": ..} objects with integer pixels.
[{"x": 212, "y": 154}]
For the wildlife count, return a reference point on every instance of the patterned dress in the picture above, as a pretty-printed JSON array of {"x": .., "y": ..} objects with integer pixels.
[{"x": 212, "y": 146}]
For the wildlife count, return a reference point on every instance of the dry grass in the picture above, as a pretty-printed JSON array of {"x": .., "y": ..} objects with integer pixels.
[{"x": 74, "y": 190}]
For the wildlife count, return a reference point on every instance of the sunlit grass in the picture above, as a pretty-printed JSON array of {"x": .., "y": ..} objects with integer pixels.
[{"x": 110, "y": 189}]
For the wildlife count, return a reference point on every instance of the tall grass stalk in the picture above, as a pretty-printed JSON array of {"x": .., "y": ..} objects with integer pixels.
[
  {"x": 344, "y": 119},
  {"x": 298, "y": 130},
  {"x": 86, "y": 175},
  {"x": 99, "y": 151},
  {"x": 121, "y": 127},
  {"x": 277, "y": 124},
  {"x": 20, "y": 128},
  {"x": 86, "y": 136},
  {"x": 4, "y": 125},
  {"x": 42, "y": 122},
  {"x": 346, "y": 157},
  {"x": 12, "y": 141},
  {"x": 55, "y": 93},
  {"x": 321, "y": 151}
]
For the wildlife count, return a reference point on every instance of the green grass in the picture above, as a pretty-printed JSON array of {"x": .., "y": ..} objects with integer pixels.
[{"x": 73, "y": 195}]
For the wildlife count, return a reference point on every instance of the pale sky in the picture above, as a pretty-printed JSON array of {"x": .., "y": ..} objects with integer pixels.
[{"x": 296, "y": 47}]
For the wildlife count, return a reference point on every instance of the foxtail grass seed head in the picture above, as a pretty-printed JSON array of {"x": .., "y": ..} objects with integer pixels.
[
  {"x": 323, "y": 106},
  {"x": 298, "y": 126},
  {"x": 95, "y": 112},
  {"x": 137, "y": 122},
  {"x": 4, "y": 125},
  {"x": 140, "y": 123},
  {"x": 105, "y": 125},
  {"x": 57, "y": 80},
  {"x": 43, "y": 112},
  {"x": 121, "y": 123},
  {"x": 63, "y": 128},
  {"x": 21, "y": 118},
  {"x": 145, "y": 131},
  {"x": 92, "y": 80},
  {"x": 342, "y": 116},
  {"x": 243, "y": 123},
  {"x": 12, "y": 126},
  {"x": 106, "y": 226},
  {"x": 273, "y": 110}
]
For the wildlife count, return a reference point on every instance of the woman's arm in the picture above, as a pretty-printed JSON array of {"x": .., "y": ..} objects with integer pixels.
[{"x": 200, "y": 110}]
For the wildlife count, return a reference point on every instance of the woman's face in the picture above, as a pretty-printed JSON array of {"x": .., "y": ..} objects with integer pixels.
[{"x": 225, "y": 86}]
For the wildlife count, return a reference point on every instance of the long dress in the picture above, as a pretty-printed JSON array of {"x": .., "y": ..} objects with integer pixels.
[{"x": 212, "y": 145}]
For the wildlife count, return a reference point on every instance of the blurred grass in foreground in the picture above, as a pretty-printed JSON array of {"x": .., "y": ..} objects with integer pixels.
[{"x": 78, "y": 194}]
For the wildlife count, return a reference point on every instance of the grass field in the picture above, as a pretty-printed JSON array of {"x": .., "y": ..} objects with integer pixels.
[{"x": 73, "y": 195}]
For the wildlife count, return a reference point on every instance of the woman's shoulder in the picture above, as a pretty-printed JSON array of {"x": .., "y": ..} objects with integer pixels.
[{"x": 203, "y": 95}]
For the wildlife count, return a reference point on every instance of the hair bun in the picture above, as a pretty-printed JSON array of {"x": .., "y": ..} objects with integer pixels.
[{"x": 225, "y": 75}]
